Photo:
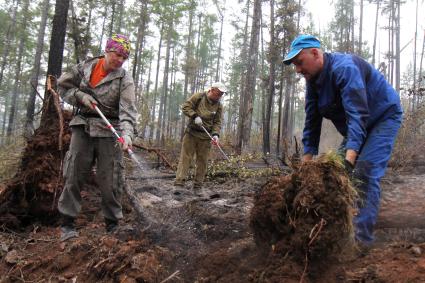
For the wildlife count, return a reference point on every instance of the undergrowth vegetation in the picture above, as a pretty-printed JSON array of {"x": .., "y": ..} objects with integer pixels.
[{"x": 10, "y": 157}]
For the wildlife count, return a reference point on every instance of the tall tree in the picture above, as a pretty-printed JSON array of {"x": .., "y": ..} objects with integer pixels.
[
  {"x": 397, "y": 46},
  {"x": 155, "y": 92},
  {"x": 414, "y": 56},
  {"x": 189, "y": 61},
  {"x": 9, "y": 35},
  {"x": 57, "y": 42},
  {"x": 247, "y": 97},
  {"x": 140, "y": 42},
  {"x": 375, "y": 35},
  {"x": 221, "y": 12},
  {"x": 163, "y": 101},
  {"x": 360, "y": 28},
  {"x": 18, "y": 68},
  {"x": 273, "y": 55},
  {"x": 342, "y": 25},
  {"x": 29, "y": 126}
]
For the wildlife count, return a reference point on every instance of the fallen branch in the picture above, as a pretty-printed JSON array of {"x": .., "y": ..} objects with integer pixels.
[
  {"x": 171, "y": 276},
  {"x": 158, "y": 152}
]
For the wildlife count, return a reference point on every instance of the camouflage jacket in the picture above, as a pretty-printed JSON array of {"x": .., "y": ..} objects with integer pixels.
[
  {"x": 209, "y": 111},
  {"x": 115, "y": 94}
]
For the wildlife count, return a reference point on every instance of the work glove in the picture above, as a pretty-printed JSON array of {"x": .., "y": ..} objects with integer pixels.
[
  {"x": 126, "y": 143},
  {"x": 86, "y": 99},
  {"x": 214, "y": 140},
  {"x": 198, "y": 121},
  {"x": 349, "y": 168}
]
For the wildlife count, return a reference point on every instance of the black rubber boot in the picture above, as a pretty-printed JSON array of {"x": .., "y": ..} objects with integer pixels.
[
  {"x": 111, "y": 225},
  {"x": 68, "y": 230}
]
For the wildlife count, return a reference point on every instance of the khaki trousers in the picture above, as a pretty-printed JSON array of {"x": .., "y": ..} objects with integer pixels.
[
  {"x": 83, "y": 151},
  {"x": 193, "y": 146}
]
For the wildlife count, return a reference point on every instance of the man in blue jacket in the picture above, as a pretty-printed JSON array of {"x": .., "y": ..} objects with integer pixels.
[{"x": 365, "y": 110}]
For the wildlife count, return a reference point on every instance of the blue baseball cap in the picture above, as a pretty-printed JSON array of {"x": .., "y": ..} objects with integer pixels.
[{"x": 301, "y": 42}]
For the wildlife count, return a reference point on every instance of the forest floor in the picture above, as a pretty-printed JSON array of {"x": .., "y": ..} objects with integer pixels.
[{"x": 204, "y": 236}]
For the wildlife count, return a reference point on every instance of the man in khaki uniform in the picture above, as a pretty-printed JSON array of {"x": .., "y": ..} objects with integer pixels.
[
  {"x": 204, "y": 110},
  {"x": 103, "y": 82}
]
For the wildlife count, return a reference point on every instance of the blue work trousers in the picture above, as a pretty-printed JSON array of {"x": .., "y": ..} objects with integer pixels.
[{"x": 369, "y": 169}]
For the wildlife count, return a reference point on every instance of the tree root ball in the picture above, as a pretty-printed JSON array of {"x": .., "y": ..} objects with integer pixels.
[{"x": 307, "y": 214}]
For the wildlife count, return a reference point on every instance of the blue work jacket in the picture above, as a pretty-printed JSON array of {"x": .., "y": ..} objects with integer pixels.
[{"x": 353, "y": 95}]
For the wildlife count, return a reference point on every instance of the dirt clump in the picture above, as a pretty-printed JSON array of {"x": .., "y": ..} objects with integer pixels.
[
  {"x": 126, "y": 255},
  {"x": 34, "y": 191},
  {"x": 306, "y": 216}
]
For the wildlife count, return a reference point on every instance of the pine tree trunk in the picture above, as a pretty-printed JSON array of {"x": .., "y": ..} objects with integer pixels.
[
  {"x": 360, "y": 28},
  {"x": 241, "y": 101},
  {"x": 279, "y": 116},
  {"x": 163, "y": 105},
  {"x": 263, "y": 86},
  {"x": 217, "y": 78},
  {"x": 271, "y": 83},
  {"x": 286, "y": 108},
  {"x": 414, "y": 57},
  {"x": 196, "y": 76},
  {"x": 57, "y": 42},
  {"x": 187, "y": 75},
  {"x": 147, "y": 95},
  {"x": 29, "y": 127},
  {"x": 375, "y": 33},
  {"x": 250, "y": 81},
  {"x": 9, "y": 35},
  {"x": 75, "y": 33},
  {"x": 421, "y": 77},
  {"x": 112, "y": 16},
  {"x": 141, "y": 32},
  {"x": 155, "y": 92},
  {"x": 397, "y": 48},
  {"x": 120, "y": 15},
  {"x": 103, "y": 28},
  {"x": 19, "y": 59}
]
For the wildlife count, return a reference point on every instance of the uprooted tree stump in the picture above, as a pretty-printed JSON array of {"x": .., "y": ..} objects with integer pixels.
[
  {"x": 35, "y": 189},
  {"x": 306, "y": 215}
]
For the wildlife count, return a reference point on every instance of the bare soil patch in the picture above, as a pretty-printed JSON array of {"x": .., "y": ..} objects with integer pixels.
[{"x": 184, "y": 235}]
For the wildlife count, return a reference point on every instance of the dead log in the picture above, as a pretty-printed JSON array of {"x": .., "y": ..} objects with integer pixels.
[{"x": 157, "y": 152}]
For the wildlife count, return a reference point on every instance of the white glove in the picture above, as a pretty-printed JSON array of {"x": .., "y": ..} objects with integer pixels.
[
  {"x": 86, "y": 99},
  {"x": 214, "y": 140},
  {"x": 126, "y": 143},
  {"x": 198, "y": 121}
]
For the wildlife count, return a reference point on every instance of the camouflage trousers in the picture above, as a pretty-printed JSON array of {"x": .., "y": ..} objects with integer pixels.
[
  {"x": 193, "y": 146},
  {"x": 85, "y": 151}
]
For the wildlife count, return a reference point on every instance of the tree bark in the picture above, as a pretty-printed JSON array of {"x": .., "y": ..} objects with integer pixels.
[
  {"x": 112, "y": 16},
  {"x": 141, "y": 32},
  {"x": 17, "y": 84},
  {"x": 155, "y": 93},
  {"x": 163, "y": 105},
  {"x": 29, "y": 126},
  {"x": 360, "y": 28},
  {"x": 57, "y": 42},
  {"x": 271, "y": 82},
  {"x": 241, "y": 103},
  {"x": 188, "y": 64},
  {"x": 217, "y": 78},
  {"x": 397, "y": 48},
  {"x": 376, "y": 32},
  {"x": 9, "y": 35},
  {"x": 250, "y": 82}
]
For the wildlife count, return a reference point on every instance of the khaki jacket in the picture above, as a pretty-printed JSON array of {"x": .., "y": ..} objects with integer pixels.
[
  {"x": 115, "y": 94},
  {"x": 209, "y": 111}
]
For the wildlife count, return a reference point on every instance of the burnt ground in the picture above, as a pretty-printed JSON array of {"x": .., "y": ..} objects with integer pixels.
[{"x": 204, "y": 236}]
